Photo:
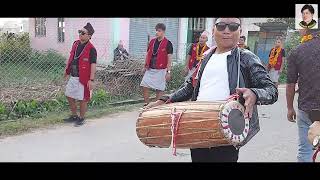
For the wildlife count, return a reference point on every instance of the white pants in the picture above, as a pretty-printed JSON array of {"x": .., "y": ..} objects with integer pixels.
[
  {"x": 75, "y": 89},
  {"x": 274, "y": 75},
  {"x": 154, "y": 79}
]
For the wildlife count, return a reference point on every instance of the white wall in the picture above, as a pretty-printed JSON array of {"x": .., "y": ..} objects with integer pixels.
[
  {"x": 209, "y": 27},
  {"x": 248, "y": 25},
  {"x": 182, "y": 38}
]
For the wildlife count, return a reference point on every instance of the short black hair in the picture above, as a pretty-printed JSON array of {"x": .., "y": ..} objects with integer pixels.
[
  {"x": 221, "y": 17},
  {"x": 309, "y": 7},
  {"x": 160, "y": 26},
  {"x": 243, "y": 37},
  {"x": 279, "y": 38}
]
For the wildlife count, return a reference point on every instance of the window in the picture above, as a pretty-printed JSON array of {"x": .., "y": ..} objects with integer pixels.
[
  {"x": 40, "y": 27},
  {"x": 61, "y": 29},
  {"x": 197, "y": 24}
]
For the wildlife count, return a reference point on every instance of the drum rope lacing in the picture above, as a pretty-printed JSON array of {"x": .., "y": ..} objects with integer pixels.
[
  {"x": 175, "y": 119},
  {"x": 314, "y": 157}
]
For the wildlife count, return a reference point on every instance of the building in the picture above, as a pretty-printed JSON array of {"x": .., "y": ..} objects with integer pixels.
[
  {"x": 266, "y": 37},
  {"x": 11, "y": 27},
  {"x": 60, "y": 33},
  {"x": 14, "y": 26},
  {"x": 24, "y": 26}
]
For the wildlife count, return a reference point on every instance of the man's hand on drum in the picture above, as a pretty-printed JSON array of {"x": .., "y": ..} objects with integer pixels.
[
  {"x": 250, "y": 100},
  {"x": 154, "y": 104}
]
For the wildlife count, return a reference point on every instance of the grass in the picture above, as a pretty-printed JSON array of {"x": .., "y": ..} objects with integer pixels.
[
  {"x": 22, "y": 73},
  {"x": 16, "y": 127}
]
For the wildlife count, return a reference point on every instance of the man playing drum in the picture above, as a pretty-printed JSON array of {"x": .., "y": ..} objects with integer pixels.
[{"x": 217, "y": 79}]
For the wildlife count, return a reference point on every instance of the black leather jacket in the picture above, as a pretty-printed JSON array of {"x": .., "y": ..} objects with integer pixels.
[{"x": 253, "y": 76}]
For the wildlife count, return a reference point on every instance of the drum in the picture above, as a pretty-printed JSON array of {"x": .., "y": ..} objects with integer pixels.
[{"x": 199, "y": 125}]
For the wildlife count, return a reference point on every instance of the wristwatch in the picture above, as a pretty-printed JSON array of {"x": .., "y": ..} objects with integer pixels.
[
  {"x": 316, "y": 141},
  {"x": 169, "y": 72}
]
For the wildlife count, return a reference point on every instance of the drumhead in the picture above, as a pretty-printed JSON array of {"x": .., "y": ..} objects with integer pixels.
[{"x": 235, "y": 127}]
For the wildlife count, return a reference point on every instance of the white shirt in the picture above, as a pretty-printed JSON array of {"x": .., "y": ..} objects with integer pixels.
[{"x": 214, "y": 84}]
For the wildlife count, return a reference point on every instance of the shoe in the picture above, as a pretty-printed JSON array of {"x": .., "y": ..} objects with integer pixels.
[
  {"x": 79, "y": 122},
  {"x": 71, "y": 119}
]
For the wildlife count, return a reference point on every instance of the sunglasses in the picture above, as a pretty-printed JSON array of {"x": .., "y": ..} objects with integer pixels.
[
  {"x": 221, "y": 26},
  {"x": 82, "y": 32}
]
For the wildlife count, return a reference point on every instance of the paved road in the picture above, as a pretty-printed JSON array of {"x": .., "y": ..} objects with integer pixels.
[{"x": 113, "y": 138}]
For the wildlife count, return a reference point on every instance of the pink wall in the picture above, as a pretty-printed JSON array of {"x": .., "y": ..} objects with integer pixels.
[
  {"x": 51, "y": 39},
  {"x": 124, "y": 31},
  {"x": 102, "y": 38}
]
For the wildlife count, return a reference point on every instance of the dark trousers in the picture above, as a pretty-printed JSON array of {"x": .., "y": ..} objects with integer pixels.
[{"x": 216, "y": 154}]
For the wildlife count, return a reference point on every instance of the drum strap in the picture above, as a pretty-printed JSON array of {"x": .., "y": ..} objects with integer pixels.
[
  {"x": 314, "y": 157},
  {"x": 238, "y": 78},
  {"x": 236, "y": 96},
  {"x": 175, "y": 119}
]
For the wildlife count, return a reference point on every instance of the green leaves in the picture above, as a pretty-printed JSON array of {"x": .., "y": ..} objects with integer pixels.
[
  {"x": 177, "y": 77},
  {"x": 27, "y": 108},
  {"x": 292, "y": 42},
  {"x": 99, "y": 97},
  {"x": 2, "y": 109},
  {"x": 36, "y": 109}
]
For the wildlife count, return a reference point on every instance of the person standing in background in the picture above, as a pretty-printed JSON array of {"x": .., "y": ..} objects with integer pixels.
[
  {"x": 276, "y": 61},
  {"x": 157, "y": 68},
  {"x": 120, "y": 53},
  {"x": 81, "y": 67},
  {"x": 242, "y": 42},
  {"x": 195, "y": 54}
]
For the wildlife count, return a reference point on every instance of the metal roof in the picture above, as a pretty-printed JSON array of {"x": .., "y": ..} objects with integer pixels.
[{"x": 269, "y": 26}]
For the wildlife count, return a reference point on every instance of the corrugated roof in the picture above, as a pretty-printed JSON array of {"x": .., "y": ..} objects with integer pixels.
[{"x": 268, "y": 26}]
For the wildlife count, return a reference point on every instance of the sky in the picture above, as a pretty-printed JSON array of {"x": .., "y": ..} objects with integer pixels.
[{"x": 3, "y": 20}]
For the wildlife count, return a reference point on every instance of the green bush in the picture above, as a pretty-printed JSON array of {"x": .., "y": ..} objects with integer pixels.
[
  {"x": 177, "y": 78},
  {"x": 47, "y": 60},
  {"x": 53, "y": 105},
  {"x": 62, "y": 101},
  {"x": 283, "y": 75},
  {"x": 3, "y": 111},
  {"x": 27, "y": 108},
  {"x": 15, "y": 47},
  {"x": 99, "y": 97},
  {"x": 2, "y": 108},
  {"x": 292, "y": 42},
  {"x": 36, "y": 109}
]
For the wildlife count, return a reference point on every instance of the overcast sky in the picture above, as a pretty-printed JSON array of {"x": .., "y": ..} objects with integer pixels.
[{"x": 2, "y": 20}]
